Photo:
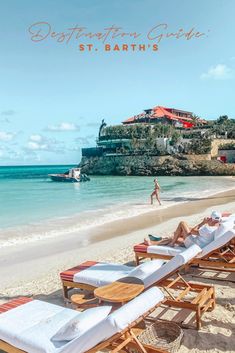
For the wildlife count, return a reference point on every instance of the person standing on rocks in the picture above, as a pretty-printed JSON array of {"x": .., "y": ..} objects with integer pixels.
[{"x": 156, "y": 191}]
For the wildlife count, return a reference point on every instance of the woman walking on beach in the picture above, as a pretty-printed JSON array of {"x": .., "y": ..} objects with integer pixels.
[{"x": 156, "y": 191}]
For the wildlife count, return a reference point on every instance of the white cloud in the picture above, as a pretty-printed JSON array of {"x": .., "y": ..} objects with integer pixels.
[
  {"x": 35, "y": 146},
  {"x": 63, "y": 127},
  {"x": 19, "y": 154},
  {"x": 39, "y": 142},
  {"x": 6, "y": 136},
  {"x": 36, "y": 138},
  {"x": 218, "y": 72}
]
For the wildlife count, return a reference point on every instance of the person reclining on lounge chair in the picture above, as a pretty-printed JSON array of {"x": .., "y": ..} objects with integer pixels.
[{"x": 201, "y": 234}]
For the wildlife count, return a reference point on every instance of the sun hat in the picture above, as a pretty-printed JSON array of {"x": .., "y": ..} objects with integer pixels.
[{"x": 216, "y": 216}]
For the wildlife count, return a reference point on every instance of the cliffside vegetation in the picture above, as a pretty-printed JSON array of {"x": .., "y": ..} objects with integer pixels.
[
  {"x": 199, "y": 146},
  {"x": 143, "y": 137},
  {"x": 137, "y": 131},
  {"x": 223, "y": 126},
  {"x": 227, "y": 146}
]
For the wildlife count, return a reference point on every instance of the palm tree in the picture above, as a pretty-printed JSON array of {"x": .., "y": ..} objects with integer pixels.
[{"x": 222, "y": 119}]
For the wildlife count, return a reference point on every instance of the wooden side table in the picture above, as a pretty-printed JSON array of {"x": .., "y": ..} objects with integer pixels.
[
  {"x": 82, "y": 301},
  {"x": 120, "y": 291}
]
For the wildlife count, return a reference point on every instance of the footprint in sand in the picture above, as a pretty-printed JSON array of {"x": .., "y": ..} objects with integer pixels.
[{"x": 230, "y": 307}]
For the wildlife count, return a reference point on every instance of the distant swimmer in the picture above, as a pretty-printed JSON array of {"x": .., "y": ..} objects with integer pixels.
[{"x": 156, "y": 191}]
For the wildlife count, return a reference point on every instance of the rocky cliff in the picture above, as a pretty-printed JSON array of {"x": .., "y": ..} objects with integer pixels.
[{"x": 154, "y": 165}]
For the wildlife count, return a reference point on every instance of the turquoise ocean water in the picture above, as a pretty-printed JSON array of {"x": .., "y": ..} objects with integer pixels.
[{"x": 32, "y": 204}]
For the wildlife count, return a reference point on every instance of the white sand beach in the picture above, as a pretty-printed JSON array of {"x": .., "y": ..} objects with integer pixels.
[{"x": 33, "y": 269}]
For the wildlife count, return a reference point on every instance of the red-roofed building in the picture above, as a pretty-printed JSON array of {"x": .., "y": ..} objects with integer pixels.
[{"x": 159, "y": 114}]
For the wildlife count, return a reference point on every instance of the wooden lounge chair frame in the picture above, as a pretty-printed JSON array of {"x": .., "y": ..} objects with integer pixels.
[
  {"x": 203, "y": 301},
  {"x": 222, "y": 258},
  {"x": 118, "y": 342}
]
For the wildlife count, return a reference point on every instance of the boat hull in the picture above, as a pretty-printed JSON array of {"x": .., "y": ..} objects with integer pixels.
[{"x": 64, "y": 179}]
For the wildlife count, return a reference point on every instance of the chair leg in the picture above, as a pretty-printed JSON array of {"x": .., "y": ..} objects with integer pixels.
[
  {"x": 65, "y": 292},
  {"x": 198, "y": 319},
  {"x": 213, "y": 298},
  {"x": 186, "y": 269},
  {"x": 138, "y": 343},
  {"x": 121, "y": 346},
  {"x": 137, "y": 261}
]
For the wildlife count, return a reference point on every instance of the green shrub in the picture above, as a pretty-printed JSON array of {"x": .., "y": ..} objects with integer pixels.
[
  {"x": 227, "y": 146},
  {"x": 199, "y": 146}
]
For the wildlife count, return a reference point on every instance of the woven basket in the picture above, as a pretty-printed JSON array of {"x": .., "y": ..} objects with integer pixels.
[{"x": 166, "y": 335}]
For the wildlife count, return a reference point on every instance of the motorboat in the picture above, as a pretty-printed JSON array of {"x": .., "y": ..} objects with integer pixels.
[{"x": 73, "y": 175}]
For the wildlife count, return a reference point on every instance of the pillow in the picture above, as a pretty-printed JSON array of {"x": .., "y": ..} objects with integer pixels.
[
  {"x": 145, "y": 269},
  {"x": 81, "y": 323}
]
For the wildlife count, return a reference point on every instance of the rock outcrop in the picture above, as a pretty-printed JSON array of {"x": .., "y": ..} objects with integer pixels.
[{"x": 154, "y": 165}]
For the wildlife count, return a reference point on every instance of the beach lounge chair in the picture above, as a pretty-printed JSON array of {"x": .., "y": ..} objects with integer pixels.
[
  {"x": 218, "y": 254},
  {"x": 91, "y": 275},
  {"x": 28, "y": 325}
]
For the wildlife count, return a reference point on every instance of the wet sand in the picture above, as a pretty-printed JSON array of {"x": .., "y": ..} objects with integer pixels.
[{"x": 153, "y": 218}]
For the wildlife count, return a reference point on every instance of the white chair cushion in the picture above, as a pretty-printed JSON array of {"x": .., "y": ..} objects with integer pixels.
[
  {"x": 172, "y": 251},
  {"x": 172, "y": 265},
  {"x": 105, "y": 273},
  {"x": 131, "y": 311},
  {"x": 218, "y": 243},
  {"x": 191, "y": 252},
  {"x": 144, "y": 270},
  {"x": 81, "y": 323},
  {"x": 165, "y": 250},
  {"x": 102, "y": 274},
  {"x": 31, "y": 326}
]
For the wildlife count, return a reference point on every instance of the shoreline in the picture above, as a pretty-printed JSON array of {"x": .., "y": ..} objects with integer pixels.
[{"x": 154, "y": 218}]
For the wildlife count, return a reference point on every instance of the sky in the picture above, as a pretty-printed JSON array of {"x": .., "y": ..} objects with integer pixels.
[{"x": 53, "y": 96}]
